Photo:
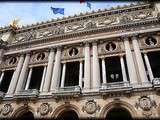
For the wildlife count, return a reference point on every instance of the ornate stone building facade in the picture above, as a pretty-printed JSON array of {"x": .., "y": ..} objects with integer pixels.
[{"x": 95, "y": 65}]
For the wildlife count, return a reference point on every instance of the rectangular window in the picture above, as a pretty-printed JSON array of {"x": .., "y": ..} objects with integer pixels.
[
  {"x": 4, "y": 85},
  {"x": 36, "y": 77},
  {"x": 113, "y": 69}
]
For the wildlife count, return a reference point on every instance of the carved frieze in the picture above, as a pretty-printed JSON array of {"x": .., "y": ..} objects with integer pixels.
[
  {"x": 91, "y": 107},
  {"x": 6, "y": 109}
]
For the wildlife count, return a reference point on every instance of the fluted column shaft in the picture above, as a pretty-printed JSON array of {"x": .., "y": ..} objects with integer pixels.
[
  {"x": 28, "y": 79},
  {"x": 15, "y": 76},
  {"x": 148, "y": 67},
  {"x": 63, "y": 75},
  {"x": 80, "y": 73},
  {"x": 48, "y": 77},
  {"x": 1, "y": 78},
  {"x": 123, "y": 69},
  {"x": 43, "y": 78},
  {"x": 139, "y": 60},
  {"x": 22, "y": 77},
  {"x": 104, "y": 78},
  {"x": 87, "y": 66},
  {"x": 96, "y": 70},
  {"x": 56, "y": 70},
  {"x": 130, "y": 62}
]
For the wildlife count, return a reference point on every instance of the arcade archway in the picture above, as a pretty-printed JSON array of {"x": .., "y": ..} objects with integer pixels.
[
  {"x": 26, "y": 116},
  {"x": 68, "y": 115},
  {"x": 118, "y": 113}
]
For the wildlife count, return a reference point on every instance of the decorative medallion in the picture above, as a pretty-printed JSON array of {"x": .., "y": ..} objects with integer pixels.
[
  {"x": 90, "y": 107},
  {"x": 40, "y": 56},
  {"x": 44, "y": 109},
  {"x": 7, "y": 108},
  {"x": 150, "y": 41},
  {"x": 145, "y": 103},
  {"x": 12, "y": 61},
  {"x": 110, "y": 46},
  {"x": 73, "y": 52}
]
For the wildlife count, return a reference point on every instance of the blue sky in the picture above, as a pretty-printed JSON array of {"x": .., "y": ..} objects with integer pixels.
[{"x": 32, "y": 12}]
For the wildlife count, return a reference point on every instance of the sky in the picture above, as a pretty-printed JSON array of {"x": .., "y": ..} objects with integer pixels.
[{"x": 33, "y": 12}]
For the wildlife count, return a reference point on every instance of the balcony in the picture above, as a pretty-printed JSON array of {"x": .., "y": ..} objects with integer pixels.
[
  {"x": 30, "y": 93},
  {"x": 115, "y": 87},
  {"x": 72, "y": 91}
]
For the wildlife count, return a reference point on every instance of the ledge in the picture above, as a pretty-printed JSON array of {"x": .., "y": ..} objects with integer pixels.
[{"x": 31, "y": 93}]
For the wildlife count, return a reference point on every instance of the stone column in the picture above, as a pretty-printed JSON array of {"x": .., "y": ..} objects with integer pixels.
[
  {"x": 1, "y": 78},
  {"x": 43, "y": 78},
  {"x": 130, "y": 62},
  {"x": 22, "y": 77},
  {"x": 140, "y": 63},
  {"x": 80, "y": 73},
  {"x": 47, "y": 81},
  {"x": 96, "y": 70},
  {"x": 123, "y": 69},
  {"x": 87, "y": 66},
  {"x": 56, "y": 70},
  {"x": 28, "y": 79},
  {"x": 63, "y": 75},
  {"x": 148, "y": 67},
  {"x": 15, "y": 76},
  {"x": 104, "y": 78}
]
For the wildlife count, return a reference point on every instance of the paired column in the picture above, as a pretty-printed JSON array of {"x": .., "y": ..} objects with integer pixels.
[
  {"x": 123, "y": 69},
  {"x": 87, "y": 67},
  {"x": 43, "y": 78},
  {"x": 63, "y": 75},
  {"x": 130, "y": 62},
  {"x": 80, "y": 73},
  {"x": 28, "y": 79},
  {"x": 96, "y": 69},
  {"x": 15, "y": 76},
  {"x": 48, "y": 77},
  {"x": 104, "y": 78},
  {"x": 56, "y": 70},
  {"x": 139, "y": 60},
  {"x": 22, "y": 77},
  {"x": 148, "y": 67}
]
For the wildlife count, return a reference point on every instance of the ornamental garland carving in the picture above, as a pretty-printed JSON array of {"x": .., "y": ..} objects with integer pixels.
[
  {"x": 6, "y": 109},
  {"x": 44, "y": 109},
  {"x": 91, "y": 107}
]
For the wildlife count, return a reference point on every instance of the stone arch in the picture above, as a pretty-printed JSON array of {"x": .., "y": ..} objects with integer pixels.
[
  {"x": 21, "y": 110},
  {"x": 121, "y": 104},
  {"x": 66, "y": 107}
]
